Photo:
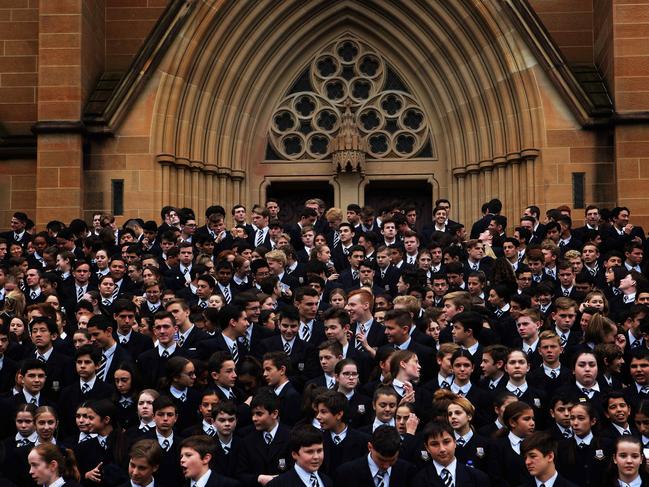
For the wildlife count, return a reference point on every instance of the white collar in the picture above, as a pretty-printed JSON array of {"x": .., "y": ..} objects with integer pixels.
[
  {"x": 636, "y": 482},
  {"x": 548, "y": 483},
  {"x": 374, "y": 469},
  {"x": 472, "y": 349},
  {"x": 57, "y": 483},
  {"x": 515, "y": 442},
  {"x": 466, "y": 437},
  {"x": 279, "y": 388},
  {"x": 91, "y": 382},
  {"x": 305, "y": 476},
  {"x": 586, "y": 439},
  {"x": 202, "y": 481},
  {"x": 595, "y": 387},
  {"x": 378, "y": 423}
]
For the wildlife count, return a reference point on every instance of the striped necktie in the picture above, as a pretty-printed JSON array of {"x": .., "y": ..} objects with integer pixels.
[
  {"x": 101, "y": 371},
  {"x": 447, "y": 478}
]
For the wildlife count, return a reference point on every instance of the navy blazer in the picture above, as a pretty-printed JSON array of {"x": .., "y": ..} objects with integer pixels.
[
  {"x": 292, "y": 479},
  {"x": 464, "y": 476},
  {"x": 357, "y": 473},
  {"x": 256, "y": 457},
  {"x": 352, "y": 447}
]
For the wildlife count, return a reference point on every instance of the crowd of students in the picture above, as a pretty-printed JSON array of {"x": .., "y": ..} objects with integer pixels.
[{"x": 365, "y": 348}]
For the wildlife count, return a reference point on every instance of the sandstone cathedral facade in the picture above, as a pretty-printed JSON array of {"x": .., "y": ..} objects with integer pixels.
[{"x": 129, "y": 105}]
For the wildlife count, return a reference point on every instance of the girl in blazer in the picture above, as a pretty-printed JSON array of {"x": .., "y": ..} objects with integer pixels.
[
  {"x": 584, "y": 457},
  {"x": 629, "y": 462},
  {"x": 472, "y": 448},
  {"x": 127, "y": 387},
  {"x": 506, "y": 466},
  {"x": 48, "y": 464}
]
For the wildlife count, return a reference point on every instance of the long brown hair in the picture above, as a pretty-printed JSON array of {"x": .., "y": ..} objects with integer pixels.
[{"x": 65, "y": 460}]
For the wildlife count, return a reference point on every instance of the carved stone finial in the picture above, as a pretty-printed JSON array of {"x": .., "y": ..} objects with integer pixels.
[{"x": 349, "y": 147}]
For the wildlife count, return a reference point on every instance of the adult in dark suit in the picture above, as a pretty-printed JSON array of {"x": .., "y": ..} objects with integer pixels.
[{"x": 382, "y": 461}]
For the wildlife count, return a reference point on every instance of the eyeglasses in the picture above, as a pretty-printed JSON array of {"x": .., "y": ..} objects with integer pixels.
[{"x": 349, "y": 374}]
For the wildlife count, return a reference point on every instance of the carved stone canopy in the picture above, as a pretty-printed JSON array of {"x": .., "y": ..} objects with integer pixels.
[{"x": 349, "y": 147}]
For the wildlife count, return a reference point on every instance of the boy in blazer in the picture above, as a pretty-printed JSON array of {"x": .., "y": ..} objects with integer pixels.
[
  {"x": 305, "y": 444},
  {"x": 195, "y": 456},
  {"x": 444, "y": 468},
  {"x": 380, "y": 465},
  {"x": 539, "y": 451},
  {"x": 144, "y": 460},
  {"x": 341, "y": 443},
  {"x": 264, "y": 452},
  {"x": 275, "y": 366}
]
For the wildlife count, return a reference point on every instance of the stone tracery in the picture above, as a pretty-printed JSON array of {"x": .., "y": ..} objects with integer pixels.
[{"x": 348, "y": 72}]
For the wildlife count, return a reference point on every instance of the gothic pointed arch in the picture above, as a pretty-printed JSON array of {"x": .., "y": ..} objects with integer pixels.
[{"x": 469, "y": 74}]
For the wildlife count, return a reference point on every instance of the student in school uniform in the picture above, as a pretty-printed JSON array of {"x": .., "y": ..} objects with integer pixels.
[
  {"x": 359, "y": 406},
  {"x": 180, "y": 378},
  {"x": 617, "y": 411},
  {"x": 275, "y": 367},
  {"x": 560, "y": 406},
  {"x": 51, "y": 466},
  {"x": 471, "y": 448},
  {"x": 102, "y": 457},
  {"x": 87, "y": 359},
  {"x": 226, "y": 451},
  {"x": 196, "y": 453},
  {"x": 629, "y": 462},
  {"x": 540, "y": 451},
  {"x": 501, "y": 400},
  {"x": 305, "y": 444},
  {"x": 584, "y": 385},
  {"x": 462, "y": 364},
  {"x": 165, "y": 416},
  {"x": 205, "y": 424},
  {"x": 329, "y": 354},
  {"x": 506, "y": 466},
  {"x": 341, "y": 442},
  {"x": 303, "y": 357},
  {"x": 445, "y": 469},
  {"x": 586, "y": 456},
  {"x": 152, "y": 362},
  {"x": 264, "y": 452},
  {"x": 551, "y": 374},
  {"x": 144, "y": 461},
  {"x": 380, "y": 466},
  {"x": 384, "y": 403}
]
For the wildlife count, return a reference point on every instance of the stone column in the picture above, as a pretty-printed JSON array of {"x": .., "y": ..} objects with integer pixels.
[{"x": 59, "y": 167}]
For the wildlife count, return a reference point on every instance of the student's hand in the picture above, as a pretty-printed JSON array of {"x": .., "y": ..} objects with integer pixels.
[
  {"x": 248, "y": 401},
  {"x": 411, "y": 424},
  {"x": 264, "y": 479},
  {"x": 333, "y": 277},
  {"x": 94, "y": 475},
  {"x": 409, "y": 395},
  {"x": 628, "y": 229},
  {"x": 620, "y": 340}
]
